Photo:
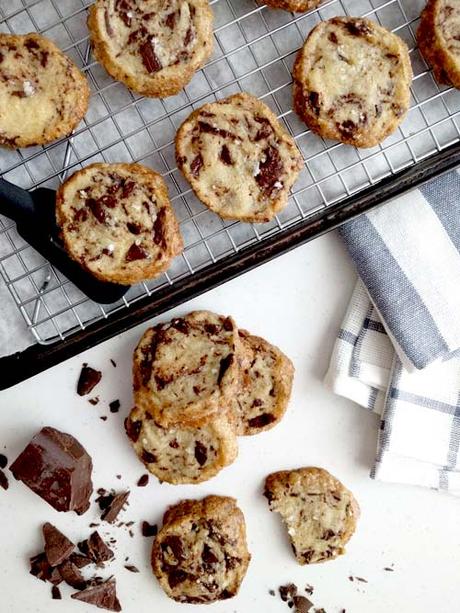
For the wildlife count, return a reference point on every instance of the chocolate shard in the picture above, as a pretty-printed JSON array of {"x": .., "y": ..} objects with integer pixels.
[
  {"x": 117, "y": 503},
  {"x": 89, "y": 378},
  {"x": 95, "y": 549},
  {"x": 56, "y": 467},
  {"x": 103, "y": 596},
  {"x": 57, "y": 546},
  {"x": 131, "y": 568},
  {"x": 72, "y": 575},
  {"x": 56, "y": 593}
]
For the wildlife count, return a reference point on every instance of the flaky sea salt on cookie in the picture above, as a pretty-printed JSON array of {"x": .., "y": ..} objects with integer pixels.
[
  {"x": 116, "y": 221},
  {"x": 152, "y": 46},
  {"x": 43, "y": 95}
]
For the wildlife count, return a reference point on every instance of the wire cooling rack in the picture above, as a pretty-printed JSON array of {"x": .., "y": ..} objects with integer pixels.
[{"x": 255, "y": 47}]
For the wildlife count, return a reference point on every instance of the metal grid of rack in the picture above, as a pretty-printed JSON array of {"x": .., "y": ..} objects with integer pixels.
[{"x": 255, "y": 47}]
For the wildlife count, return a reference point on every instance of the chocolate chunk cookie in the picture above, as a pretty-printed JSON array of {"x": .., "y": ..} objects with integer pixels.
[
  {"x": 155, "y": 46},
  {"x": 238, "y": 159},
  {"x": 43, "y": 95},
  {"x": 200, "y": 555},
  {"x": 266, "y": 376},
  {"x": 187, "y": 370},
  {"x": 182, "y": 454},
  {"x": 352, "y": 81},
  {"x": 439, "y": 39},
  {"x": 117, "y": 222},
  {"x": 296, "y": 6},
  {"x": 319, "y": 512}
]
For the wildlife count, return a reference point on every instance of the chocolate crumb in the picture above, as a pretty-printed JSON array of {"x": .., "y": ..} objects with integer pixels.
[
  {"x": 287, "y": 591},
  {"x": 350, "y": 578},
  {"x": 361, "y": 579},
  {"x": 89, "y": 378},
  {"x": 94, "y": 401},
  {"x": 309, "y": 589},
  {"x": 103, "y": 417},
  {"x": 116, "y": 504},
  {"x": 3, "y": 460},
  {"x": 4, "y": 480},
  {"x": 131, "y": 568},
  {"x": 272, "y": 592},
  {"x": 143, "y": 481},
  {"x": 149, "y": 529},
  {"x": 388, "y": 569},
  {"x": 114, "y": 364},
  {"x": 94, "y": 524},
  {"x": 114, "y": 406},
  {"x": 118, "y": 476},
  {"x": 56, "y": 593}
]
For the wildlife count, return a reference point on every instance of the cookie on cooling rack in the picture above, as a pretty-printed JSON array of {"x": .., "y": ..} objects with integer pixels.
[
  {"x": 266, "y": 376},
  {"x": 352, "y": 81},
  {"x": 153, "y": 47},
  {"x": 187, "y": 371},
  {"x": 239, "y": 160},
  {"x": 438, "y": 39},
  {"x": 43, "y": 95},
  {"x": 200, "y": 555},
  {"x": 182, "y": 454},
  {"x": 319, "y": 512},
  {"x": 117, "y": 222},
  {"x": 295, "y": 6}
]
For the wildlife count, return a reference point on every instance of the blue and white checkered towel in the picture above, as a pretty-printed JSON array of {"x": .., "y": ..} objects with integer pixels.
[{"x": 396, "y": 352}]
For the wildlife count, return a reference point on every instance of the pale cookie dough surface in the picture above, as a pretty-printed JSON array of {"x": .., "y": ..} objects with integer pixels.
[
  {"x": 296, "y": 6},
  {"x": 266, "y": 376},
  {"x": 43, "y": 95},
  {"x": 319, "y": 512},
  {"x": 117, "y": 222},
  {"x": 200, "y": 555},
  {"x": 352, "y": 81},
  {"x": 187, "y": 370},
  {"x": 439, "y": 39},
  {"x": 154, "y": 46},
  {"x": 182, "y": 454},
  {"x": 239, "y": 160}
]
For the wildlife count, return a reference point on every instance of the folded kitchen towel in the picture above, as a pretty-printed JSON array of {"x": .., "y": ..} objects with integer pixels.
[
  {"x": 398, "y": 350},
  {"x": 407, "y": 255}
]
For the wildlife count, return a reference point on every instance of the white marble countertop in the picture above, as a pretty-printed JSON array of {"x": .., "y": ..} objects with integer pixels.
[{"x": 297, "y": 302}]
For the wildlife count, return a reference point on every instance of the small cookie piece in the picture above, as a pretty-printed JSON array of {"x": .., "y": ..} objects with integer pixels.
[
  {"x": 295, "y": 6},
  {"x": 182, "y": 454},
  {"x": 153, "y": 47},
  {"x": 266, "y": 376},
  {"x": 200, "y": 554},
  {"x": 187, "y": 370},
  {"x": 117, "y": 222},
  {"x": 319, "y": 512},
  {"x": 237, "y": 157},
  {"x": 352, "y": 81},
  {"x": 438, "y": 39},
  {"x": 43, "y": 95}
]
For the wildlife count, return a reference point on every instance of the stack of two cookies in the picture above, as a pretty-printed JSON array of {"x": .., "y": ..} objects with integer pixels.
[{"x": 199, "y": 382}]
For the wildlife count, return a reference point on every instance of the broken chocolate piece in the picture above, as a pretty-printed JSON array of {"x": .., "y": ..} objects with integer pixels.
[
  {"x": 56, "y": 467},
  {"x": 56, "y": 593},
  {"x": 40, "y": 567},
  {"x": 103, "y": 596},
  {"x": 78, "y": 560},
  {"x": 114, "y": 406},
  {"x": 57, "y": 546},
  {"x": 4, "y": 480},
  {"x": 89, "y": 378},
  {"x": 143, "y": 481},
  {"x": 71, "y": 575},
  {"x": 114, "y": 507},
  {"x": 302, "y": 604},
  {"x": 287, "y": 591},
  {"x": 149, "y": 529},
  {"x": 3, "y": 460},
  {"x": 149, "y": 57},
  {"x": 136, "y": 253},
  {"x": 95, "y": 549}
]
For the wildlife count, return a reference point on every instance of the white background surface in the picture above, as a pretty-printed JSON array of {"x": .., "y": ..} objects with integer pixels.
[{"x": 297, "y": 302}]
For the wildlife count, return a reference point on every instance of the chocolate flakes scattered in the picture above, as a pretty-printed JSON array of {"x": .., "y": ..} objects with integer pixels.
[
  {"x": 3, "y": 461},
  {"x": 114, "y": 406},
  {"x": 149, "y": 529},
  {"x": 89, "y": 378},
  {"x": 287, "y": 591},
  {"x": 103, "y": 596}
]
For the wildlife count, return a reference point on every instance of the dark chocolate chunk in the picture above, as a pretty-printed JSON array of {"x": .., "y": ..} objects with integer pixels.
[
  {"x": 148, "y": 458},
  {"x": 4, "y": 480},
  {"x": 206, "y": 127},
  {"x": 270, "y": 170},
  {"x": 57, "y": 546},
  {"x": 201, "y": 453},
  {"x": 176, "y": 577},
  {"x": 114, "y": 507},
  {"x": 287, "y": 591},
  {"x": 103, "y": 596},
  {"x": 95, "y": 549},
  {"x": 71, "y": 575},
  {"x": 302, "y": 604},
  {"x": 189, "y": 36},
  {"x": 40, "y": 567},
  {"x": 135, "y": 252},
  {"x": 225, "y": 155},
  {"x": 133, "y": 429},
  {"x": 149, "y": 529},
  {"x": 89, "y": 378},
  {"x": 208, "y": 556},
  {"x": 103, "y": 417},
  {"x": 131, "y": 568},
  {"x": 174, "y": 544},
  {"x": 3, "y": 460},
  {"x": 313, "y": 99},
  {"x": 149, "y": 57},
  {"x": 333, "y": 38},
  {"x": 224, "y": 366},
  {"x": 56, "y": 593},
  {"x": 261, "y": 420},
  {"x": 272, "y": 592},
  {"x": 265, "y": 131},
  {"x": 143, "y": 481},
  {"x": 357, "y": 28},
  {"x": 196, "y": 165},
  {"x": 97, "y": 209},
  {"x": 134, "y": 228},
  {"x": 56, "y": 467},
  {"x": 170, "y": 20},
  {"x": 78, "y": 560}
]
